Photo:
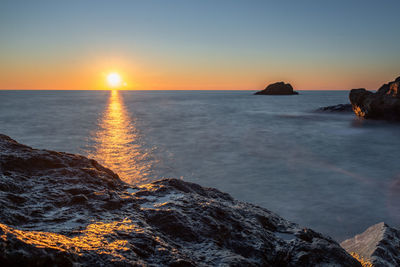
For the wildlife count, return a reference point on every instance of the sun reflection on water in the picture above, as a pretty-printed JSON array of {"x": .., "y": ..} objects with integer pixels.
[{"x": 118, "y": 146}]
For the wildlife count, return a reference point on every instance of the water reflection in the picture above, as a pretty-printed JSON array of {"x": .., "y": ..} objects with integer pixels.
[{"x": 118, "y": 146}]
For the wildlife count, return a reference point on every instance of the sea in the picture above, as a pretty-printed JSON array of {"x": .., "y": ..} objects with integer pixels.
[{"x": 332, "y": 172}]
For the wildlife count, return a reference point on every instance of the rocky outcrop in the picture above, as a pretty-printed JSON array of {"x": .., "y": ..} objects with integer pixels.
[
  {"x": 384, "y": 104},
  {"x": 379, "y": 245},
  {"x": 279, "y": 88},
  {"x": 336, "y": 108},
  {"x": 64, "y": 209}
]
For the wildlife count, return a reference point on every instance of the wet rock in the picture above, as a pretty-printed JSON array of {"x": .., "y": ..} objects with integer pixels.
[
  {"x": 378, "y": 245},
  {"x": 279, "y": 88},
  {"x": 74, "y": 212},
  {"x": 337, "y": 108},
  {"x": 384, "y": 104},
  {"x": 113, "y": 204},
  {"x": 16, "y": 198},
  {"x": 78, "y": 199}
]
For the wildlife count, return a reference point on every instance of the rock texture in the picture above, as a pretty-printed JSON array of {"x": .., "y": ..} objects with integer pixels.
[
  {"x": 379, "y": 245},
  {"x": 384, "y": 104},
  {"x": 279, "y": 88},
  {"x": 67, "y": 210},
  {"x": 337, "y": 108}
]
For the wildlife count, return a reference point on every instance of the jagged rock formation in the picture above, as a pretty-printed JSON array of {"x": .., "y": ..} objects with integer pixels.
[
  {"x": 379, "y": 245},
  {"x": 337, "y": 108},
  {"x": 64, "y": 209},
  {"x": 279, "y": 88},
  {"x": 384, "y": 104}
]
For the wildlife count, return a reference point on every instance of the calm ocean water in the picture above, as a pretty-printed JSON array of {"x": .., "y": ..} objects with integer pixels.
[{"x": 330, "y": 172}]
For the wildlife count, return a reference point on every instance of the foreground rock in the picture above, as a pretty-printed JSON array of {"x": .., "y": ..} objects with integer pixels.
[
  {"x": 379, "y": 245},
  {"x": 64, "y": 209},
  {"x": 384, "y": 104},
  {"x": 279, "y": 88},
  {"x": 337, "y": 108}
]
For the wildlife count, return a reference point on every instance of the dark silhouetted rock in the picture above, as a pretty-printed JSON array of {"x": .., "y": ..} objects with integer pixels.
[
  {"x": 279, "y": 88},
  {"x": 337, "y": 108},
  {"x": 60, "y": 209},
  {"x": 384, "y": 104},
  {"x": 378, "y": 245}
]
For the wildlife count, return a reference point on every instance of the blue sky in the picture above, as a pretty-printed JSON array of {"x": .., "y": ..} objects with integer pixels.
[{"x": 199, "y": 44}]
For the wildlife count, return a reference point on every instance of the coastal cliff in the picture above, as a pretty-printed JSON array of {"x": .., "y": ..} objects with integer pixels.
[{"x": 64, "y": 209}]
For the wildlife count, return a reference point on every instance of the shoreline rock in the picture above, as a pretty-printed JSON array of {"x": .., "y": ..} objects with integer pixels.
[
  {"x": 384, "y": 104},
  {"x": 379, "y": 245},
  {"x": 278, "y": 88},
  {"x": 343, "y": 108},
  {"x": 65, "y": 209}
]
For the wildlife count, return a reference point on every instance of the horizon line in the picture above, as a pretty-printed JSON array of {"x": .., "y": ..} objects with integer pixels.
[{"x": 5, "y": 89}]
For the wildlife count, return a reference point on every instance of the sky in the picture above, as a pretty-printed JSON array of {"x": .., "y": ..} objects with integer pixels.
[{"x": 199, "y": 45}]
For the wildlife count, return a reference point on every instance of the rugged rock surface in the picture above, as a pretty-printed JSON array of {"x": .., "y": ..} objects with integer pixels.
[
  {"x": 63, "y": 209},
  {"x": 279, "y": 88},
  {"x": 379, "y": 245},
  {"x": 384, "y": 104},
  {"x": 337, "y": 108}
]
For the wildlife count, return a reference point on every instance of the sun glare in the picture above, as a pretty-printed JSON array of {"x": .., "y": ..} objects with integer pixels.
[{"x": 114, "y": 80}]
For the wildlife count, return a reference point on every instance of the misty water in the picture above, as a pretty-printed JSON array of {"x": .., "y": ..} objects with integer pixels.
[{"x": 331, "y": 172}]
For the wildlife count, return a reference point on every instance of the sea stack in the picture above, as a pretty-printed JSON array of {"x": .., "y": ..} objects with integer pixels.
[
  {"x": 384, "y": 104},
  {"x": 279, "y": 88}
]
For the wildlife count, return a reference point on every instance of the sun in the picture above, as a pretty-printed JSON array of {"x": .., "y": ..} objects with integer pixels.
[{"x": 114, "y": 80}]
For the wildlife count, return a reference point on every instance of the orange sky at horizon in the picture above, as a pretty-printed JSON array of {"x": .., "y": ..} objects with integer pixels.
[
  {"x": 91, "y": 75},
  {"x": 88, "y": 72}
]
